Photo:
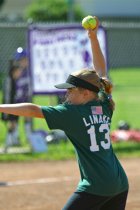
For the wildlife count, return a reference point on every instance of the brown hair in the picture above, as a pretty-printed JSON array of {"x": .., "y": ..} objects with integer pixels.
[{"x": 91, "y": 76}]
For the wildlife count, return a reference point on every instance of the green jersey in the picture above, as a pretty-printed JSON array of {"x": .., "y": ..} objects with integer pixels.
[{"x": 88, "y": 126}]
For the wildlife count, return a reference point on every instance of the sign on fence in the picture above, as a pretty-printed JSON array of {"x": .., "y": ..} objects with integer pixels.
[{"x": 56, "y": 52}]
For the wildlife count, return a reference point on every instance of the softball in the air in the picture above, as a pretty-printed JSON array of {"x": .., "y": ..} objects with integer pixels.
[{"x": 89, "y": 22}]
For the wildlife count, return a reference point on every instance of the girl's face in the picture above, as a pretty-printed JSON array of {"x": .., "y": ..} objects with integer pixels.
[
  {"x": 75, "y": 96},
  {"x": 16, "y": 73}
]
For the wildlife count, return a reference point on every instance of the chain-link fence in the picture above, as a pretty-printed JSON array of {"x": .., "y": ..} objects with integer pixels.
[
  {"x": 123, "y": 41},
  {"x": 12, "y": 36}
]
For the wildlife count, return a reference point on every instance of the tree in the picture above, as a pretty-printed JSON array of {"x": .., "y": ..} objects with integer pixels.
[
  {"x": 53, "y": 10},
  {"x": 1, "y": 3}
]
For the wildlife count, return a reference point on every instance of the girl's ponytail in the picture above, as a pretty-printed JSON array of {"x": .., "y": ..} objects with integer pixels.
[{"x": 107, "y": 86}]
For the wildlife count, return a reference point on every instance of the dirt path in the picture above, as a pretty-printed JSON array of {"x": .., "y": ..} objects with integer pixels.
[{"x": 47, "y": 185}]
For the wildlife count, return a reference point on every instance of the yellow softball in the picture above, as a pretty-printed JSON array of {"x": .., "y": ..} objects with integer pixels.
[{"x": 89, "y": 22}]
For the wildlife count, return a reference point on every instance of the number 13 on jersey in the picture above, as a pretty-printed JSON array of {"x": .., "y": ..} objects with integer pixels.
[{"x": 104, "y": 128}]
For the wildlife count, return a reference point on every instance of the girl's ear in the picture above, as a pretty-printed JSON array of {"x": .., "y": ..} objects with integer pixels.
[
  {"x": 89, "y": 94},
  {"x": 86, "y": 92}
]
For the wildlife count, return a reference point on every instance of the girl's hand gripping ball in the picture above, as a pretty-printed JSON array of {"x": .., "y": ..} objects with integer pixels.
[{"x": 89, "y": 22}]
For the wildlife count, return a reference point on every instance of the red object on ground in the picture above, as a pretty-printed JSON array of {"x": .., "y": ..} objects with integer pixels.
[{"x": 125, "y": 135}]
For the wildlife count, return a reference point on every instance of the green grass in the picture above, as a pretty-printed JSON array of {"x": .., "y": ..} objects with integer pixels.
[
  {"x": 126, "y": 96},
  {"x": 127, "y": 149},
  {"x": 127, "y": 99},
  {"x": 65, "y": 151}
]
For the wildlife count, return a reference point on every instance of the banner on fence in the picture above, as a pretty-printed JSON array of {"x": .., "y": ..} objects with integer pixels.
[{"x": 58, "y": 51}]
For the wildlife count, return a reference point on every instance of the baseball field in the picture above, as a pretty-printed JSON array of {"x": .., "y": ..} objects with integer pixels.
[{"x": 46, "y": 185}]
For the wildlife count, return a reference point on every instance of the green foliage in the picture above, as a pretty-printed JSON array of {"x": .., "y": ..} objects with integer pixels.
[
  {"x": 52, "y": 10},
  {"x": 1, "y": 3}
]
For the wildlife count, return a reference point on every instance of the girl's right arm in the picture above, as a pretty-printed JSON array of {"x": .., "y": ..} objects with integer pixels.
[
  {"x": 22, "y": 109},
  {"x": 98, "y": 58}
]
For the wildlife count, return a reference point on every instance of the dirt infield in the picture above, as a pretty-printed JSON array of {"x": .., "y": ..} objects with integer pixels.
[{"x": 47, "y": 185}]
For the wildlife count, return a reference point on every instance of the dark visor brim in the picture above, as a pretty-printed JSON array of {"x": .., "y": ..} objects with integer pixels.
[
  {"x": 73, "y": 81},
  {"x": 65, "y": 86}
]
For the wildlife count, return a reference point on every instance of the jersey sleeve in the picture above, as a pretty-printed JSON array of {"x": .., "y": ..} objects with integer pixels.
[{"x": 56, "y": 117}]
